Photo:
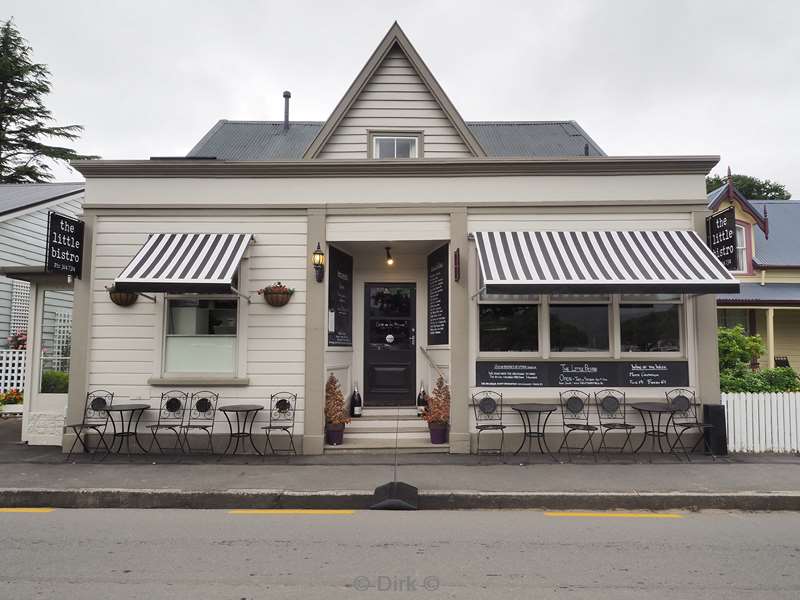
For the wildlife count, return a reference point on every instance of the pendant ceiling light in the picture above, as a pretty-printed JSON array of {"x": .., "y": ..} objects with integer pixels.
[{"x": 389, "y": 259}]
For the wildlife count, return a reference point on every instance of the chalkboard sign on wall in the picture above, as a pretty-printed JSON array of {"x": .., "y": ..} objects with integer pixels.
[
  {"x": 643, "y": 373},
  {"x": 64, "y": 245},
  {"x": 721, "y": 237},
  {"x": 438, "y": 297},
  {"x": 340, "y": 298}
]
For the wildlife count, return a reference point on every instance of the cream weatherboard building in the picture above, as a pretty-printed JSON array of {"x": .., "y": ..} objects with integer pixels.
[{"x": 523, "y": 259}]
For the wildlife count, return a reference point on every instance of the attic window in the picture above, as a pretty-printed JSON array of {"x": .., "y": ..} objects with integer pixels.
[{"x": 395, "y": 146}]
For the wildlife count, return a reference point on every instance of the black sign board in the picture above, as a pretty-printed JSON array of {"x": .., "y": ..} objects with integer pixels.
[
  {"x": 641, "y": 373},
  {"x": 340, "y": 298},
  {"x": 438, "y": 297},
  {"x": 64, "y": 251},
  {"x": 721, "y": 237}
]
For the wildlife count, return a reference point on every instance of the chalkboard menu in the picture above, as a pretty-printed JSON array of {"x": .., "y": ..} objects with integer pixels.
[
  {"x": 721, "y": 237},
  {"x": 644, "y": 373},
  {"x": 438, "y": 297},
  {"x": 340, "y": 298},
  {"x": 64, "y": 245}
]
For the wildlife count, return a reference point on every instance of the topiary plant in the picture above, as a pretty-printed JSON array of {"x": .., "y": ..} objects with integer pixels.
[
  {"x": 438, "y": 409},
  {"x": 335, "y": 410}
]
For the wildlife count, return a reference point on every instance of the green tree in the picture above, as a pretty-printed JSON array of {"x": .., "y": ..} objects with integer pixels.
[
  {"x": 751, "y": 188},
  {"x": 25, "y": 123},
  {"x": 737, "y": 349}
]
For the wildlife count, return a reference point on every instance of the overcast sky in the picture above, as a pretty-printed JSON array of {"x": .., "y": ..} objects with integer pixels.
[{"x": 642, "y": 77}]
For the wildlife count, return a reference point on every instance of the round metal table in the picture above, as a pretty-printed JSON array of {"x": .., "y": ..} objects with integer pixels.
[
  {"x": 125, "y": 431},
  {"x": 243, "y": 412},
  {"x": 652, "y": 413},
  {"x": 526, "y": 411}
]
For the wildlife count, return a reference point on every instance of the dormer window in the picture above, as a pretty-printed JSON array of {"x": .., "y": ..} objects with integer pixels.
[
  {"x": 388, "y": 146},
  {"x": 741, "y": 249}
]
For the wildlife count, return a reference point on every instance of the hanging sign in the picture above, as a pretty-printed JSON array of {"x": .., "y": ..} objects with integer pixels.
[
  {"x": 721, "y": 237},
  {"x": 340, "y": 298},
  {"x": 64, "y": 245},
  {"x": 438, "y": 297}
]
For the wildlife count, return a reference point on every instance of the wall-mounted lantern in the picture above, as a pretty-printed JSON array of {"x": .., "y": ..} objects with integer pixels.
[{"x": 318, "y": 260}]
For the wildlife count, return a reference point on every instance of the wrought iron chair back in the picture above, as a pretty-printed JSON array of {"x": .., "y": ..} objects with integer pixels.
[
  {"x": 683, "y": 402},
  {"x": 172, "y": 409},
  {"x": 610, "y": 405},
  {"x": 282, "y": 409},
  {"x": 96, "y": 402},
  {"x": 574, "y": 406},
  {"x": 488, "y": 407},
  {"x": 203, "y": 408}
]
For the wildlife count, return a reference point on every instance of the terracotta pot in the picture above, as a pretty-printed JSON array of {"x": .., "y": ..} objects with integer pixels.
[
  {"x": 334, "y": 434},
  {"x": 123, "y": 298},
  {"x": 438, "y": 432},
  {"x": 280, "y": 298}
]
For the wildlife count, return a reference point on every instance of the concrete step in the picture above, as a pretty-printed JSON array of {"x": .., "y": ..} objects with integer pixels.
[
  {"x": 375, "y": 426},
  {"x": 390, "y": 412},
  {"x": 366, "y": 444}
]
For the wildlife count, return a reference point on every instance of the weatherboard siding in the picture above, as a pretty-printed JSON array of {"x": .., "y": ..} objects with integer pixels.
[
  {"x": 125, "y": 342},
  {"x": 497, "y": 221},
  {"x": 395, "y": 98},
  {"x": 23, "y": 237}
]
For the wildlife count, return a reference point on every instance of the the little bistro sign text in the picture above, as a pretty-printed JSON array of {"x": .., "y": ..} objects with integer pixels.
[{"x": 64, "y": 245}]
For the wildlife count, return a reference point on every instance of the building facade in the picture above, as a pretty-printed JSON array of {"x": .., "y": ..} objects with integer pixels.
[{"x": 508, "y": 256}]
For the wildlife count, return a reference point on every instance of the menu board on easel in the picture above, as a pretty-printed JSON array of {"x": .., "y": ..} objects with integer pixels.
[
  {"x": 438, "y": 297},
  {"x": 340, "y": 298}
]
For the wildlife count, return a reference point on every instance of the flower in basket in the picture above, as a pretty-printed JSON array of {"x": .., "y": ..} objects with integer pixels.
[
  {"x": 18, "y": 341},
  {"x": 438, "y": 408},
  {"x": 277, "y": 294},
  {"x": 12, "y": 396},
  {"x": 335, "y": 409}
]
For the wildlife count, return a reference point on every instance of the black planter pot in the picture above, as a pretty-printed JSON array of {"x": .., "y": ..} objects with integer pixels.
[
  {"x": 439, "y": 433},
  {"x": 334, "y": 434},
  {"x": 122, "y": 298}
]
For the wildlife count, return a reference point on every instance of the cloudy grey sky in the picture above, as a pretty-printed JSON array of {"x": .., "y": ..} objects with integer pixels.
[{"x": 642, "y": 77}]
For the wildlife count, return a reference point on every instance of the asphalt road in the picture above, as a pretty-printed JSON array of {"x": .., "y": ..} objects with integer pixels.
[{"x": 200, "y": 554}]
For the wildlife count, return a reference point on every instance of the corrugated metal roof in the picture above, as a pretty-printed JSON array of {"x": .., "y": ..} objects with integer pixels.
[
  {"x": 755, "y": 293},
  {"x": 267, "y": 140},
  {"x": 782, "y": 248},
  {"x": 17, "y": 196}
]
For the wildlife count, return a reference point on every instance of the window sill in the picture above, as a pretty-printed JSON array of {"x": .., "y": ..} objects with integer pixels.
[{"x": 198, "y": 380}]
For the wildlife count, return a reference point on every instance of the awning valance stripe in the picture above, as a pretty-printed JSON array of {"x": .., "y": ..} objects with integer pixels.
[
  {"x": 185, "y": 262},
  {"x": 669, "y": 261}
]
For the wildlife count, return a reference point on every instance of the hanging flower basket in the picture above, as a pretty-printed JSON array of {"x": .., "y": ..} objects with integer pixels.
[
  {"x": 277, "y": 294},
  {"x": 122, "y": 298}
]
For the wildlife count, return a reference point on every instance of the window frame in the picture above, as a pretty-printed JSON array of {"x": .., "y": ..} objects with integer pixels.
[
  {"x": 374, "y": 136},
  {"x": 680, "y": 353},
  {"x": 165, "y": 335},
  {"x": 612, "y": 319},
  {"x": 745, "y": 266},
  {"x": 516, "y": 300}
]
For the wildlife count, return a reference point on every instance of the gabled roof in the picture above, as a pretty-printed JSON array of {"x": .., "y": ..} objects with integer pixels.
[
  {"x": 728, "y": 191},
  {"x": 268, "y": 140},
  {"x": 782, "y": 247},
  {"x": 394, "y": 37},
  {"x": 19, "y": 196}
]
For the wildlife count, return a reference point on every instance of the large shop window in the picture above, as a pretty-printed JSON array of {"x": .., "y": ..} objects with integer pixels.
[
  {"x": 579, "y": 327},
  {"x": 201, "y": 335},
  {"x": 509, "y": 327},
  {"x": 649, "y": 327}
]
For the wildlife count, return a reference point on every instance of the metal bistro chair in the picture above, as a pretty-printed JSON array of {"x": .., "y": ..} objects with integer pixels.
[
  {"x": 282, "y": 408},
  {"x": 575, "y": 417},
  {"x": 488, "y": 407},
  {"x": 171, "y": 413},
  {"x": 684, "y": 419},
  {"x": 613, "y": 417},
  {"x": 95, "y": 419},
  {"x": 201, "y": 417}
]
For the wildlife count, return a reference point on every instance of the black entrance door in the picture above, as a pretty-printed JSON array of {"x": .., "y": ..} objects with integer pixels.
[{"x": 390, "y": 344}]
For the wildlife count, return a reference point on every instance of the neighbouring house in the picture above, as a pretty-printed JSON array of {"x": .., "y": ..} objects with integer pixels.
[
  {"x": 23, "y": 232},
  {"x": 514, "y": 256},
  {"x": 768, "y": 248}
]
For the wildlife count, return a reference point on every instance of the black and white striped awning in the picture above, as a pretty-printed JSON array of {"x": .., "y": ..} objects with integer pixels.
[
  {"x": 518, "y": 262},
  {"x": 185, "y": 262}
]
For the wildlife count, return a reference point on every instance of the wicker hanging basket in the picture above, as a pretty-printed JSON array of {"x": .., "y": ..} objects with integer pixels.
[
  {"x": 122, "y": 298},
  {"x": 277, "y": 294}
]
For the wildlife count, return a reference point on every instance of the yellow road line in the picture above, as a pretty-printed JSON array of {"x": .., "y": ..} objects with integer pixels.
[
  {"x": 26, "y": 510},
  {"x": 289, "y": 511},
  {"x": 615, "y": 515}
]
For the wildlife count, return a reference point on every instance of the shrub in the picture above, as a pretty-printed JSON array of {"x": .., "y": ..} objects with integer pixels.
[{"x": 55, "y": 382}]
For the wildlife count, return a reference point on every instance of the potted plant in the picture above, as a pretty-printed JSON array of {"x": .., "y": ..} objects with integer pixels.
[
  {"x": 277, "y": 294},
  {"x": 122, "y": 298},
  {"x": 336, "y": 416},
  {"x": 437, "y": 412},
  {"x": 11, "y": 401}
]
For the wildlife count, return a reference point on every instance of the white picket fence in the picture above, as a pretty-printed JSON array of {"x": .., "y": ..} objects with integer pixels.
[
  {"x": 12, "y": 369},
  {"x": 763, "y": 422}
]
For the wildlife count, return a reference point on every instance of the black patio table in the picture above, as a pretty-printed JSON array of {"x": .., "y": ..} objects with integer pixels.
[
  {"x": 243, "y": 412},
  {"x": 127, "y": 429},
  {"x": 652, "y": 414},
  {"x": 525, "y": 412}
]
